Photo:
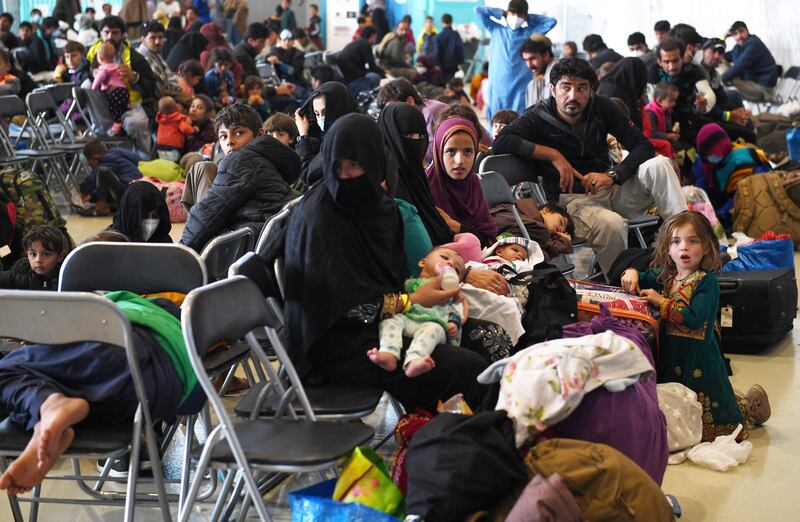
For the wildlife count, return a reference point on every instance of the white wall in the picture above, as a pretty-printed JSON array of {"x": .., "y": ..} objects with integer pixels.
[{"x": 776, "y": 22}]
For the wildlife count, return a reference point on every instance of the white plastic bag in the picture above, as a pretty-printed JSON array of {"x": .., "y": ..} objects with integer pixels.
[{"x": 723, "y": 453}]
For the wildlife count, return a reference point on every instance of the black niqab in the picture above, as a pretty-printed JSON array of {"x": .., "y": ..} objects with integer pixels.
[
  {"x": 398, "y": 120},
  {"x": 138, "y": 200},
  {"x": 627, "y": 81},
  {"x": 188, "y": 47},
  {"x": 344, "y": 240},
  {"x": 338, "y": 102}
]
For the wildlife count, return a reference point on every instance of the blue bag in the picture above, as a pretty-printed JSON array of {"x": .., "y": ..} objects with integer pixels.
[
  {"x": 316, "y": 503},
  {"x": 762, "y": 255},
  {"x": 793, "y": 143}
]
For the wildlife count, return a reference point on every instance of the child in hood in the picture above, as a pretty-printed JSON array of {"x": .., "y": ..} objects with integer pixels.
[{"x": 173, "y": 127}]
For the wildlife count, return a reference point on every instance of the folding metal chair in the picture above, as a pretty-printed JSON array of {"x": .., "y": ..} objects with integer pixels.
[
  {"x": 272, "y": 223},
  {"x": 220, "y": 253},
  {"x": 60, "y": 318},
  {"x": 50, "y": 163},
  {"x": 283, "y": 444},
  {"x": 95, "y": 126}
]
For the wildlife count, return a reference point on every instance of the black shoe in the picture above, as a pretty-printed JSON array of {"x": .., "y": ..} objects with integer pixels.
[{"x": 120, "y": 465}]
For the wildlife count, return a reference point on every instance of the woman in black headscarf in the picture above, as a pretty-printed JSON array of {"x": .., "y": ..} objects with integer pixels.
[
  {"x": 627, "y": 81},
  {"x": 328, "y": 103},
  {"x": 143, "y": 215},
  {"x": 188, "y": 47},
  {"x": 344, "y": 269},
  {"x": 172, "y": 34},
  {"x": 406, "y": 137}
]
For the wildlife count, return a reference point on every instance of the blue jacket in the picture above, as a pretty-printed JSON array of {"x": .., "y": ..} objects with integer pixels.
[
  {"x": 213, "y": 81},
  {"x": 509, "y": 74},
  {"x": 122, "y": 162},
  {"x": 752, "y": 61},
  {"x": 449, "y": 50}
]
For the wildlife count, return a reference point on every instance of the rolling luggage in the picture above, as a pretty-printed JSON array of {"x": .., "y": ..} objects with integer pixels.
[{"x": 757, "y": 308}]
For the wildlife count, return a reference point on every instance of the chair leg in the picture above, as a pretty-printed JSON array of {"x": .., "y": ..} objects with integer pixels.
[
  {"x": 185, "y": 509},
  {"x": 33, "y": 514},
  {"x": 187, "y": 458},
  {"x": 227, "y": 513},
  {"x": 158, "y": 471},
  {"x": 640, "y": 237},
  {"x": 133, "y": 467},
  {"x": 226, "y": 488},
  {"x": 16, "y": 512}
]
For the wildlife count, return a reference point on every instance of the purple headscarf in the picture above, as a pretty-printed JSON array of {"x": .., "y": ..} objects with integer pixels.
[{"x": 461, "y": 199}]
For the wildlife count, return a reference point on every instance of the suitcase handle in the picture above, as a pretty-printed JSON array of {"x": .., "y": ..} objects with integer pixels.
[{"x": 728, "y": 286}]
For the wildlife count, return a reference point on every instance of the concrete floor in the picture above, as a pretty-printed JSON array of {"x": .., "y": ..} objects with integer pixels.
[{"x": 761, "y": 489}]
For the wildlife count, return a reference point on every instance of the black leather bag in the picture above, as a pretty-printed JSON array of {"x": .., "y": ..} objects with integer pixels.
[{"x": 552, "y": 303}]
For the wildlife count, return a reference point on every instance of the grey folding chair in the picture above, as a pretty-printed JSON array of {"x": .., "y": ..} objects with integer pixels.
[
  {"x": 220, "y": 253},
  {"x": 51, "y": 164},
  {"x": 284, "y": 444},
  {"x": 329, "y": 402},
  {"x": 94, "y": 126},
  {"x": 60, "y": 318},
  {"x": 272, "y": 223}
]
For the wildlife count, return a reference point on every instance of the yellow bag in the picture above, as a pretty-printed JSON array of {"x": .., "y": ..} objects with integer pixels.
[{"x": 365, "y": 480}]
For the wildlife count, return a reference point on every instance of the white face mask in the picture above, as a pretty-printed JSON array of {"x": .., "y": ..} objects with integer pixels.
[
  {"x": 321, "y": 123},
  {"x": 636, "y": 53},
  {"x": 697, "y": 59},
  {"x": 513, "y": 21},
  {"x": 149, "y": 227},
  {"x": 421, "y": 69}
]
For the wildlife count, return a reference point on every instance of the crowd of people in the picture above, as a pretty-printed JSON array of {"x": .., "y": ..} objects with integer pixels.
[{"x": 393, "y": 220}]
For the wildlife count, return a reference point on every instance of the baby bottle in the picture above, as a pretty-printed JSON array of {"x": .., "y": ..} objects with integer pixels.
[{"x": 449, "y": 275}]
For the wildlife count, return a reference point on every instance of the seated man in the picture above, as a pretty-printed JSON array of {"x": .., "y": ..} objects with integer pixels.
[
  {"x": 754, "y": 72},
  {"x": 7, "y": 37},
  {"x": 394, "y": 53},
  {"x": 357, "y": 62},
  {"x": 598, "y": 52},
  {"x": 695, "y": 96},
  {"x": 538, "y": 56},
  {"x": 151, "y": 49},
  {"x": 138, "y": 76},
  {"x": 637, "y": 45},
  {"x": 252, "y": 183},
  {"x": 567, "y": 137},
  {"x": 253, "y": 43},
  {"x": 288, "y": 60}
]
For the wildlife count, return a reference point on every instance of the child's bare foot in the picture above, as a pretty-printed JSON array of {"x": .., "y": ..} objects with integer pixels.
[
  {"x": 385, "y": 360},
  {"x": 420, "y": 366},
  {"x": 58, "y": 413}
]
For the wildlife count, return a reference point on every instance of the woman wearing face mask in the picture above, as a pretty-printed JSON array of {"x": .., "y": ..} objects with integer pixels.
[
  {"x": 328, "y": 103},
  {"x": 509, "y": 74},
  {"x": 454, "y": 185},
  {"x": 720, "y": 165},
  {"x": 429, "y": 79},
  {"x": 143, "y": 215},
  {"x": 345, "y": 268}
]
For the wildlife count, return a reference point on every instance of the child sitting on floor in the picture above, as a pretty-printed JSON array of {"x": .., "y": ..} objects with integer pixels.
[
  {"x": 201, "y": 111},
  {"x": 112, "y": 171},
  {"x": 657, "y": 120},
  {"x": 219, "y": 78},
  {"x": 254, "y": 94},
  {"x": 108, "y": 79},
  {"x": 455, "y": 90},
  {"x": 428, "y": 326},
  {"x": 190, "y": 74},
  {"x": 173, "y": 127},
  {"x": 682, "y": 285},
  {"x": 46, "y": 248},
  {"x": 502, "y": 118}
]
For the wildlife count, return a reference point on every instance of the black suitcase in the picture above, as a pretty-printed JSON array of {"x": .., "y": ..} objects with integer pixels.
[{"x": 764, "y": 305}]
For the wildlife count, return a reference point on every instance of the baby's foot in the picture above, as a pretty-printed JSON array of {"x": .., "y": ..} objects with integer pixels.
[
  {"x": 420, "y": 366},
  {"x": 385, "y": 360}
]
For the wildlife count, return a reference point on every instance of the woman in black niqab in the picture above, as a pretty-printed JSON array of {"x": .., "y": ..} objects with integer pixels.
[
  {"x": 188, "y": 47},
  {"x": 627, "y": 81},
  {"x": 397, "y": 122}
]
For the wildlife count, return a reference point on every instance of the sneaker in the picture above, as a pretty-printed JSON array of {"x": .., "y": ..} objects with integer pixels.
[
  {"x": 759, "y": 404},
  {"x": 120, "y": 465}
]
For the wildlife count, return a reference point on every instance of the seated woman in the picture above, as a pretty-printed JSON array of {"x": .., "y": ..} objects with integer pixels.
[
  {"x": 720, "y": 165},
  {"x": 143, "y": 215},
  {"x": 344, "y": 268},
  {"x": 49, "y": 389},
  {"x": 454, "y": 185},
  {"x": 328, "y": 103}
]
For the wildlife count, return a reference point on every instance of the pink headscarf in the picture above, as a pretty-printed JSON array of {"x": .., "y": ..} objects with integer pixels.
[{"x": 462, "y": 199}]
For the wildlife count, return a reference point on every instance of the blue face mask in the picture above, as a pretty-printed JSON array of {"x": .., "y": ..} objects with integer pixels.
[{"x": 714, "y": 160}]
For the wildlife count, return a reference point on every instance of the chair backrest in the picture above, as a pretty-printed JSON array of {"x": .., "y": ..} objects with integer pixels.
[
  {"x": 40, "y": 102},
  {"x": 44, "y": 111},
  {"x": 273, "y": 222},
  {"x": 62, "y": 317},
  {"x": 253, "y": 268},
  {"x": 514, "y": 169},
  {"x": 12, "y": 105},
  {"x": 312, "y": 59},
  {"x": 60, "y": 91},
  {"x": 142, "y": 268},
  {"x": 245, "y": 311},
  {"x": 221, "y": 252},
  {"x": 99, "y": 111},
  {"x": 495, "y": 189}
]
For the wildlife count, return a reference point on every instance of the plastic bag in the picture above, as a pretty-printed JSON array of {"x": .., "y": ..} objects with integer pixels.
[
  {"x": 162, "y": 169},
  {"x": 761, "y": 255},
  {"x": 314, "y": 503},
  {"x": 793, "y": 143},
  {"x": 697, "y": 200},
  {"x": 365, "y": 480},
  {"x": 684, "y": 415},
  {"x": 723, "y": 453}
]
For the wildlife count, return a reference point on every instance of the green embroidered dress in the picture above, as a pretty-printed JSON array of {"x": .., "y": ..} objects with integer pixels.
[{"x": 690, "y": 352}]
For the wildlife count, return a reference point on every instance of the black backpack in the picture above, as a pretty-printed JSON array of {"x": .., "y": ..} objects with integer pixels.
[{"x": 552, "y": 303}]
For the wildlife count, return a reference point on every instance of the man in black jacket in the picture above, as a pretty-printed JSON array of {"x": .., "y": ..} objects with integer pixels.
[
  {"x": 253, "y": 43},
  {"x": 598, "y": 51},
  {"x": 566, "y": 136},
  {"x": 138, "y": 75},
  {"x": 357, "y": 62},
  {"x": 252, "y": 183}
]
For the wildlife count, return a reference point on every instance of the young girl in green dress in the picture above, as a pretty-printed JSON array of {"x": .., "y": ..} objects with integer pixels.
[{"x": 681, "y": 284}]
